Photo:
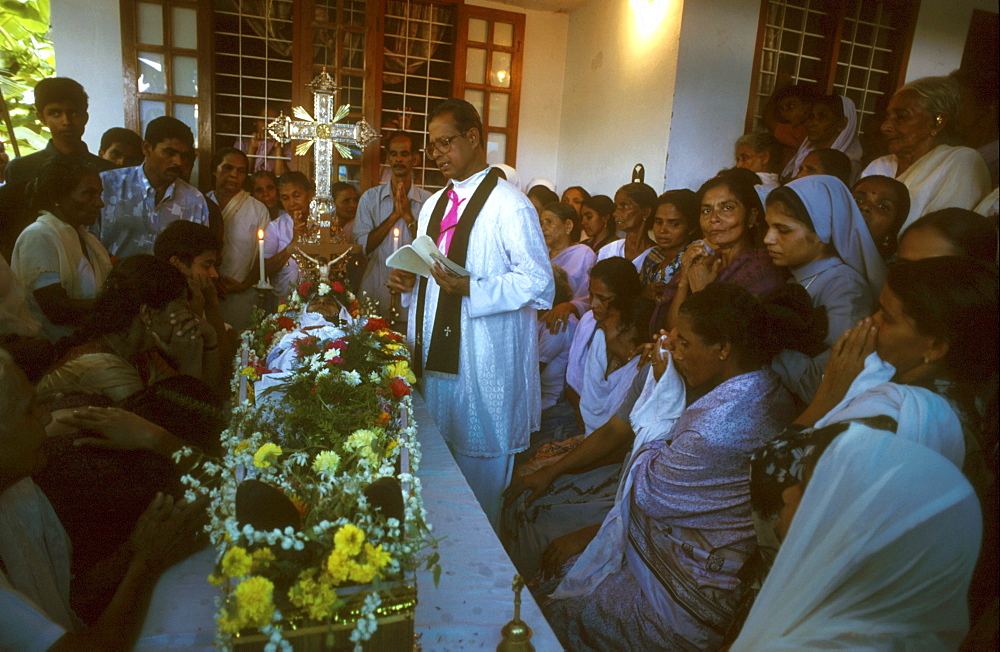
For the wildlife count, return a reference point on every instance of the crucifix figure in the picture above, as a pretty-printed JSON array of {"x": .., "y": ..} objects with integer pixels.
[
  {"x": 320, "y": 130},
  {"x": 447, "y": 331}
]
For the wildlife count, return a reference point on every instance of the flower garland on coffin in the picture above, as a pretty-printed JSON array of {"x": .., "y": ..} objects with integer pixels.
[{"x": 318, "y": 492}]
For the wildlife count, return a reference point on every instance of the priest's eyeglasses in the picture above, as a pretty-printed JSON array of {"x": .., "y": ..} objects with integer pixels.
[{"x": 442, "y": 145}]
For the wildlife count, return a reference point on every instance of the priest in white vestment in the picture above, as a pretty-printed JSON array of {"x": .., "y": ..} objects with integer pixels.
[
  {"x": 474, "y": 337},
  {"x": 242, "y": 217}
]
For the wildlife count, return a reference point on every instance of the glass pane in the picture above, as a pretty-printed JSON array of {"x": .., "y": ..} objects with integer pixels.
[
  {"x": 503, "y": 34},
  {"x": 188, "y": 114},
  {"x": 150, "y": 110},
  {"x": 185, "y": 76},
  {"x": 496, "y": 148},
  {"x": 184, "y": 27},
  {"x": 478, "y": 29},
  {"x": 475, "y": 66},
  {"x": 476, "y": 99},
  {"x": 498, "y": 109},
  {"x": 150, "y": 20},
  {"x": 500, "y": 74},
  {"x": 152, "y": 76}
]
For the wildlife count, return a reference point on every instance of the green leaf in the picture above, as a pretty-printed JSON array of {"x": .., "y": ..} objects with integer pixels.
[{"x": 437, "y": 575}]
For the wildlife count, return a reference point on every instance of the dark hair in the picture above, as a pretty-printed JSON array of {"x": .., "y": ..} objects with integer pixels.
[
  {"x": 465, "y": 115},
  {"x": 757, "y": 329},
  {"x": 634, "y": 313},
  {"x": 580, "y": 189},
  {"x": 833, "y": 102},
  {"x": 222, "y": 153},
  {"x": 741, "y": 183},
  {"x": 605, "y": 207},
  {"x": 903, "y": 210},
  {"x": 835, "y": 163},
  {"x": 564, "y": 292},
  {"x": 686, "y": 203},
  {"x": 184, "y": 406},
  {"x": 297, "y": 178},
  {"x": 954, "y": 299},
  {"x": 619, "y": 275},
  {"x": 402, "y": 134},
  {"x": 263, "y": 173},
  {"x": 60, "y": 89},
  {"x": 56, "y": 179},
  {"x": 186, "y": 240},
  {"x": 565, "y": 212},
  {"x": 132, "y": 283},
  {"x": 641, "y": 194},
  {"x": 165, "y": 128},
  {"x": 543, "y": 195},
  {"x": 973, "y": 235},
  {"x": 121, "y": 135},
  {"x": 792, "y": 204},
  {"x": 341, "y": 186}
]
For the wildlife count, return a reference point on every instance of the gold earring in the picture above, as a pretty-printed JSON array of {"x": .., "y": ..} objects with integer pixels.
[{"x": 927, "y": 360}]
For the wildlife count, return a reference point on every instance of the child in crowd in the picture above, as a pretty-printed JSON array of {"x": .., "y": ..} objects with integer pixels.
[{"x": 884, "y": 203}]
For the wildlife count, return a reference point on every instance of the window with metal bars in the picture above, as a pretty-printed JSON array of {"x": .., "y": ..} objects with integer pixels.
[{"x": 856, "y": 48}]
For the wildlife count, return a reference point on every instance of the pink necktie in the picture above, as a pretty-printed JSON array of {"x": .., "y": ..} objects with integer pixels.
[{"x": 449, "y": 222}]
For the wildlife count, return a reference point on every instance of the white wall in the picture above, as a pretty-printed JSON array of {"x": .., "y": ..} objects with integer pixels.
[
  {"x": 939, "y": 38},
  {"x": 618, "y": 93},
  {"x": 714, "y": 67},
  {"x": 86, "y": 35},
  {"x": 545, "y": 38}
]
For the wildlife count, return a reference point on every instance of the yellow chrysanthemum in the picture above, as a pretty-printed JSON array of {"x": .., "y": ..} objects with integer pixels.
[
  {"x": 216, "y": 580},
  {"x": 392, "y": 347},
  {"x": 401, "y": 368},
  {"x": 236, "y": 562},
  {"x": 376, "y": 556},
  {"x": 282, "y": 307},
  {"x": 349, "y": 539},
  {"x": 359, "y": 439},
  {"x": 317, "y": 598},
  {"x": 262, "y": 556},
  {"x": 254, "y": 601},
  {"x": 337, "y": 567},
  {"x": 242, "y": 446},
  {"x": 361, "y": 573},
  {"x": 229, "y": 624},
  {"x": 266, "y": 455},
  {"x": 326, "y": 463},
  {"x": 250, "y": 373}
]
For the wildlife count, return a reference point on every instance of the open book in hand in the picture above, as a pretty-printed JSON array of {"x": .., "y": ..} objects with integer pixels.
[{"x": 418, "y": 258}]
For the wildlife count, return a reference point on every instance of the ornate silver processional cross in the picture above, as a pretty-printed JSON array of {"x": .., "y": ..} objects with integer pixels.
[{"x": 323, "y": 132}]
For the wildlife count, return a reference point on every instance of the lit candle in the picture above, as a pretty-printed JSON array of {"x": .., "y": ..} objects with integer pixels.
[
  {"x": 395, "y": 239},
  {"x": 260, "y": 247}
]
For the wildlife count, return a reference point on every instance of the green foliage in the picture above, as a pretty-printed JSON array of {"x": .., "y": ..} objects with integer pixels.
[{"x": 26, "y": 57}]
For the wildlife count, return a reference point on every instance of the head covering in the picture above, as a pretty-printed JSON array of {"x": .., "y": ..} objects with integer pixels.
[
  {"x": 509, "y": 173},
  {"x": 540, "y": 181},
  {"x": 846, "y": 141},
  {"x": 879, "y": 553},
  {"x": 837, "y": 220}
]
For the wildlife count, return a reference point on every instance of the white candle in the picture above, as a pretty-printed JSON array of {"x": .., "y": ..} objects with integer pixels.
[
  {"x": 395, "y": 239},
  {"x": 260, "y": 247}
]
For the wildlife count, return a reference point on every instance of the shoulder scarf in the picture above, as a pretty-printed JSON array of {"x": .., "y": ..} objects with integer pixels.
[{"x": 442, "y": 354}]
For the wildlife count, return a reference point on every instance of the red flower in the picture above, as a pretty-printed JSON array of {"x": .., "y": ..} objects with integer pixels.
[
  {"x": 337, "y": 287},
  {"x": 303, "y": 343},
  {"x": 335, "y": 360},
  {"x": 261, "y": 369},
  {"x": 394, "y": 336},
  {"x": 286, "y": 323},
  {"x": 376, "y": 324},
  {"x": 305, "y": 289},
  {"x": 340, "y": 345},
  {"x": 399, "y": 387}
]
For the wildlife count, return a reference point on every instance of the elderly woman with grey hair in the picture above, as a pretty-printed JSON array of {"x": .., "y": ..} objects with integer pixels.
[{"x": 919, "y": 130}]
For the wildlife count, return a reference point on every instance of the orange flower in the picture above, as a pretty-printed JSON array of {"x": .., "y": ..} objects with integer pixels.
[{"x": 383, "y": 419}]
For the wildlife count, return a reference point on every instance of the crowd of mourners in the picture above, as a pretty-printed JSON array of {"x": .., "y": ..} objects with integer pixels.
[{"x": 769, "y": 405}]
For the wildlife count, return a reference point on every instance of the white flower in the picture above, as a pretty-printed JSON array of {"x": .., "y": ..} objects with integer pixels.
[
  {"x": 352, "y": 378},
  {"x": 324, "y": 289}
]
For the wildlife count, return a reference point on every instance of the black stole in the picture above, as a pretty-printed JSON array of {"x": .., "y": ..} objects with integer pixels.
[{"x": 442, "y": 355}]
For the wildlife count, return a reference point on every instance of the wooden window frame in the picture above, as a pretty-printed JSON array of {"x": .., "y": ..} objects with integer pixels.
[
  {"x": 203, "y": 54},
  {"x": 903, "y": 40},
  {"x": 465, "y": 13}
]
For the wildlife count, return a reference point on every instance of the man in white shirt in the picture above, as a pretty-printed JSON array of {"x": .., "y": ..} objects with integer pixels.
[
  {"x": 474, "y": 336},
  {"x": 242, "y": 218},
  {"x": 386, "y": 219}
]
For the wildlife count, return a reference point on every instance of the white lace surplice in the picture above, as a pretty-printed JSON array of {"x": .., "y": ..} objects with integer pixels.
[{"x": 494, "y": 403}]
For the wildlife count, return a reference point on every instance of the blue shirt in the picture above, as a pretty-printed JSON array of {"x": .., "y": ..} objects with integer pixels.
[{"x": 131, "y": 219}]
